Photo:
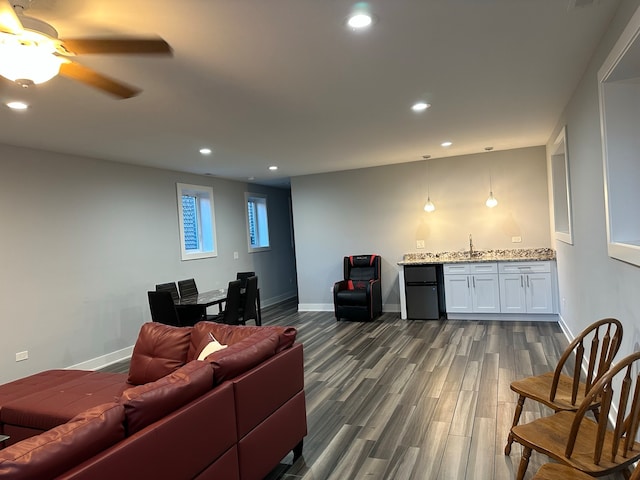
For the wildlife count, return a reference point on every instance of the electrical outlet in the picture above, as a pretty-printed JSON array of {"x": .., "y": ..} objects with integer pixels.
[
  {"x": 20, "y": 356},
  {"x": 235, "y": 255},
  {"x": 419, "y": 243},
  {"x": 516, "y": 239}
]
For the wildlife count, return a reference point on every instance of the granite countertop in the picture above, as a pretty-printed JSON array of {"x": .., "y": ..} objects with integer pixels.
[{"x": 513, "y": 255}]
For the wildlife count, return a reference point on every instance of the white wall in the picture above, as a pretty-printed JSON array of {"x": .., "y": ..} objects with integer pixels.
[
  {"x": 380, "y": 210},
  {"x": 83, "y": 240},
  {"x": 593, "y": 285}
]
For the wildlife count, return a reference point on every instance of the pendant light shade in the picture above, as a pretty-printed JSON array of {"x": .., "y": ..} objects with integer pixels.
[
  {"x": 491, "y": 201},
  {"x": 429, "y": 206}
]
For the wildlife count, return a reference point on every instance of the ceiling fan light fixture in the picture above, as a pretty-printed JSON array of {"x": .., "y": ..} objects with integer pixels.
[{"x": 28, "y": 63}]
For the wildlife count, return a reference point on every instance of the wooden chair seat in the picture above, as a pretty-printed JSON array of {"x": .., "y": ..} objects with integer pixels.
[
  {"x": 549, "y": 435},
  {"x": 557, "y": 471},
  {"x": 538, "y": 388}
]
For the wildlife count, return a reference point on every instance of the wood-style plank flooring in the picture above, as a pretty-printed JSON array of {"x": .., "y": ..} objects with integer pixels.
[{"x": 413, "y": 400}]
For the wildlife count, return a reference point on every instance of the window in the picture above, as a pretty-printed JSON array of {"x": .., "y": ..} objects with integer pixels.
[
  {"x": 257, "y": 222},
  {"x": 197, "y": 224},
  {"x": 619, "y": 89},
  {"x": 561, "y": 192}
]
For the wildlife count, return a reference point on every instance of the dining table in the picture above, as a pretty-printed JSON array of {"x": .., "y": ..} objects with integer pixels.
[
  {"x": 214, "y": 297},
  {"x": 205, "y": 299}
]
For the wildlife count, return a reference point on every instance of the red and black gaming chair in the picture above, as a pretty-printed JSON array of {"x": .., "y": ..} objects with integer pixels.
[{"x": 359, "y": 295}]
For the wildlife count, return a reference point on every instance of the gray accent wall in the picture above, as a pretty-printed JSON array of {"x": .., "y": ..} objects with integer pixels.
[
  {"x": 593, "y": 285},
  {"x": 380, "y": 210},
  {"x": 83, "y": 240}
]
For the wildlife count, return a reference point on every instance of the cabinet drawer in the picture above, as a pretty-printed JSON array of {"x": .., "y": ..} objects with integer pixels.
[
  {"x": 470, "y": 268},
  {"x": 483, "y": 267},
  {"x": 525, "y": 267},
  {"x": 456, "y": 268}
]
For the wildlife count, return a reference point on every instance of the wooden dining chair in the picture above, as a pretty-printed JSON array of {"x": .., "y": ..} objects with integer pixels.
[
  {"x": 599, "y": 447},
  {"x": 187, "y": 287},
  {"x": 558, "y": 471},
  {"x": 596, "y": 345}
]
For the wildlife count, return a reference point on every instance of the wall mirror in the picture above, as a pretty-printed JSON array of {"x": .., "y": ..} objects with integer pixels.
[
  {"x": 619, "y": 92},
  {"x": 561, "y": 188}
]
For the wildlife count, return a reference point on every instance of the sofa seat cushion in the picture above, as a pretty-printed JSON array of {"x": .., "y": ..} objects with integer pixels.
[
  {"x": 56, "y": 405},
  {"x": 54, "y": 452},
  {"x": 231, "y": 334},
  {"x": 159, "y": 350},
  {"x": 147, "y": 403},
  {"x": 35, "y": 383},
  {"x": 356, "y": 297}
]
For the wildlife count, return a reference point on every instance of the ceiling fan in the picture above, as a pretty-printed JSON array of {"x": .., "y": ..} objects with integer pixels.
[{"x": 32, "y": 53}]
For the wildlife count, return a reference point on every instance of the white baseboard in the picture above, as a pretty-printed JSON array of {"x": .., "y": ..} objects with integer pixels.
[
  {"x": 103, "y": 360},
  {"x": 278, "y": 299},
  {"x": 328, "y": 307}
]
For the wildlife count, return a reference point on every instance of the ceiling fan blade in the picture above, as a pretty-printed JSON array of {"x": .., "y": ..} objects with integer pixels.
[
  {"x": 94, "y": 79},
  {"x": 118, "y": 45},
  {"x": 9, "y": 21}
]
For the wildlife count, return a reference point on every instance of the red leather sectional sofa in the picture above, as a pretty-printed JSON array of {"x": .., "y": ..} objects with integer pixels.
[{"x": 232, "y": 416}]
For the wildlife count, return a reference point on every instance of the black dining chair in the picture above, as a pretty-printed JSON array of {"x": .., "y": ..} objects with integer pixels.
[
  {"x": 163, "y": 310},
  {"x": 243, "y": 276},
  {"x": 249, "y": 302},
  {"x": 169, "y": 287},
  {"x": 231, "y": 314},
  {"x": 188, "y": 314},
  {"x": 187, "y": 287}
]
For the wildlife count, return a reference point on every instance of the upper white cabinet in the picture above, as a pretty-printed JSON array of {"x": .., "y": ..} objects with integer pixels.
[
  {"x": 472, "y": 288},
  {"x": 619, "y": 91},
  {"x": 526, "y": 287}
]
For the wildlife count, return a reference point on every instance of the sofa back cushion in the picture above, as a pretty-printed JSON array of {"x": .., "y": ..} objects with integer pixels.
[
  {"x": 54, "y": 452},
  {"x": 148, "y": 403},
  {"x": 232, "y": 334},
  {"x": 160, "y": 350}
]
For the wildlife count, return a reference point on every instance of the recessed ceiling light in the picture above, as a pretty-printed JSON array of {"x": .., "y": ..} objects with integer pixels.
[
  {"x": 446, "y": 144},
  {"x": 17, "y": 105},
  {"x": 205, "y": 151},
  {"x": 273, "y": 168},
  {"x": 420, "y": 106},
  {"x": 359, "y": 21}
]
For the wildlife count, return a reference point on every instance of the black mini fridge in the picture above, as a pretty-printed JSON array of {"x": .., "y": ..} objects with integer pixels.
[{"x": 424, "y": 289}]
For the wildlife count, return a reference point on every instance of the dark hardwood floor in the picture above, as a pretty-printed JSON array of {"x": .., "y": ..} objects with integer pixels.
[{"x": 421, "y": 400}]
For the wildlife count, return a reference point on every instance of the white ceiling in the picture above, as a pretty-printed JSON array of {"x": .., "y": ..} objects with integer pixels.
[{"x": 285, "y": 82}]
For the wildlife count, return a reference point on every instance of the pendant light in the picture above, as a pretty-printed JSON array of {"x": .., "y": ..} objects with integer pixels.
[
  {"x": 491, "y": 201},
  {"x": 429, "y": 206}
]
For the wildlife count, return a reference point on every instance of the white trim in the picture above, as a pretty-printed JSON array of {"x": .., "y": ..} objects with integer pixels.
[
  {"x": 200, "y": 191},
  {"x": 104, "y": 360},
  {"x": 328, "y": 307},
  {"x": 626, "y": 250}
]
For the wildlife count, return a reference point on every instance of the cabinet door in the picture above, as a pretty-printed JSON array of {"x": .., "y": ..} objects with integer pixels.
[
  {"x": 539, "y": 296},
  {"x": 457, "y": 293},
  {"x": 486, "y": 294},
  {"x": 512, "y": 293}
]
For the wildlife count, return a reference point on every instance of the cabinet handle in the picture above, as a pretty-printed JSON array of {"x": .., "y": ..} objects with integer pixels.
[
  {"x": 521, "y": 282},
  {"x": 468, "y": 282},
  {"x": 527, "y": 281},
  {"x": 474, "y": 282}
]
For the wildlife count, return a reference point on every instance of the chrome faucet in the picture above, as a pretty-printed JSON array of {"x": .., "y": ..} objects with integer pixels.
[{"x": 470, "y": 246}]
